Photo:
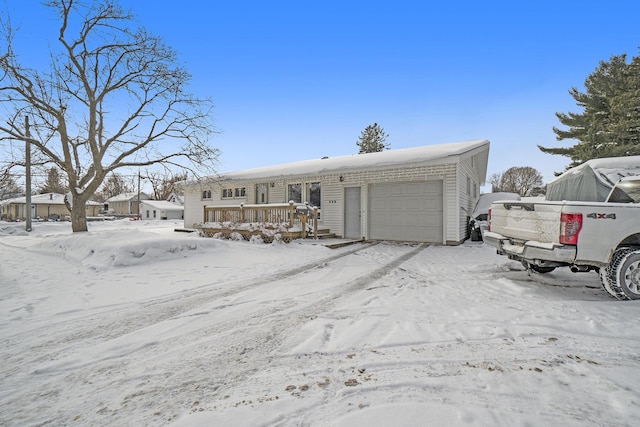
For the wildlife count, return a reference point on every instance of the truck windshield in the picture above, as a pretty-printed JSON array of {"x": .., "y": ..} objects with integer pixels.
[{"x": 626, "y": 192}]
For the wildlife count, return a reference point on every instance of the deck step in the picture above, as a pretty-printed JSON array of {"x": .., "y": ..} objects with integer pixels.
[{"x": 326, "y": 236}]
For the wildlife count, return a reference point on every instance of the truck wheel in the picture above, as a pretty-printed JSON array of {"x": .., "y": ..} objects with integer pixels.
[
  {"x": 608, "y": 274},
  {"x": 628, "y": 275},
  {"x": 604, "y": 279},
  {"x": 537, "y": 268}
]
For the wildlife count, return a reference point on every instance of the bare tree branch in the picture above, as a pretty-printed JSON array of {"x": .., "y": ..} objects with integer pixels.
[{"x": 111, "y": 99}]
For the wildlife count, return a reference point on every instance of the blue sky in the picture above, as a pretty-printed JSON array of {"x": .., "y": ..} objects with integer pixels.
[{"x": 300, "y": 80}]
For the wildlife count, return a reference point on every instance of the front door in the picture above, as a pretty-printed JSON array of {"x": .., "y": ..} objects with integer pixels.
[
  {"x": 262, "y": 194},
  {"x": 352, "y": 213}
]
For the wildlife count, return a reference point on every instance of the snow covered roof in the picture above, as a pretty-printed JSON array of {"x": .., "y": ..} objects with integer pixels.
[
  {"x": 163, "y": 205},
  {"x": 43, "y": 199},
  {"x": 125, "y": 197},
  {"x": 415, "y": 156}
]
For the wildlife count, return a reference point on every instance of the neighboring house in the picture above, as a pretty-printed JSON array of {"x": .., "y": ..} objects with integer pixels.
[
  {"x": 125, "y": 203},
  {"x": 422, "y": 194},
  {"x": 176, "y": 198},
  {"x": 161, "y": 209},
  {"x": 45, "y": 206},
  {"x": 592, "y": 180}
]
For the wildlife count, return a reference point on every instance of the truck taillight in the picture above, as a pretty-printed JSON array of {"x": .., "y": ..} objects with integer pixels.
[
  {"x": 570, "y": 226},
  {"x": 489, "y": 220}
]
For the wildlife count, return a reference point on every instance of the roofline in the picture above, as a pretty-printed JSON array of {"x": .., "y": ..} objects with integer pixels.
[{"x": 413, "y": 156}]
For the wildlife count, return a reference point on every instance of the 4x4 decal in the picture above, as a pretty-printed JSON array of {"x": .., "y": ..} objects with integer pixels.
[{"x": 601, "y": 216}]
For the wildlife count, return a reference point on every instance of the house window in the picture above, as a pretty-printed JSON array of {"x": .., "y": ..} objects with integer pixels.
[
  {"x": 230, "y": 193},
  {"x": 295, "y": 193},
  {"x": 313, "y": 194},
  {"x": 468, "y": 186},
  {"x": 154, "y": 213},
  {"x": 475, "y": 189},
  {"x": 206, "y": 195},
  {"x": 147, "y": 213}
]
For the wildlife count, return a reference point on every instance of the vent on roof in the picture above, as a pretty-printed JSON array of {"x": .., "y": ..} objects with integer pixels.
[{"x": 325, "y": 157}]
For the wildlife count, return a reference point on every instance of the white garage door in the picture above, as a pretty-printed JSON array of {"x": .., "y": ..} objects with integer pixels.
[{"x": 407, "y": 211}]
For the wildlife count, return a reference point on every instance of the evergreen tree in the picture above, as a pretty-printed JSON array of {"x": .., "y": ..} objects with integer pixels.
[
  {"x": 609, "y": 125},
  {"x": 53, "y": 183},
  {"x": 372, "y": 139}
]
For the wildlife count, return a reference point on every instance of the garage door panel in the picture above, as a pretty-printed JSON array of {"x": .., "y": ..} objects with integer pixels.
[{"x": 410, "y": 211}]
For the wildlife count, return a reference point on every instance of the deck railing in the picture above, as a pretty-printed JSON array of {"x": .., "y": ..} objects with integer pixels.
[{"x": 291, "y": 215}]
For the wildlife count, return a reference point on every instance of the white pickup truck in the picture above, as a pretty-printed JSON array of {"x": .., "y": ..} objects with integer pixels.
[{"x": 585, "y": 236}]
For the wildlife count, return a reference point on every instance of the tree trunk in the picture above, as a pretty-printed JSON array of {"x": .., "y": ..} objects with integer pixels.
[{"x": 78, "y": 215}]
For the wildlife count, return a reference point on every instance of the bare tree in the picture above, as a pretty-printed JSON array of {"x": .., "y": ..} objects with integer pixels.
[
  {"x": 518, "y": 179},
  {"x": 115, "y": 184},
  {"x": 8, "y": 186},
  {"x": 114, "y": 97},
  {"x": 164, "y": 185}
]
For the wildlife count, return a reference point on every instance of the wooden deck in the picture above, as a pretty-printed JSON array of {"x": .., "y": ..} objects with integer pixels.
[{"x": 285, "y": 222}]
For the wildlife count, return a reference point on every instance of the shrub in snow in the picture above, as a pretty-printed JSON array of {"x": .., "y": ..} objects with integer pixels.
[
  {"x": 235, "y": 236},
  {"x": 256, "y": 238}
]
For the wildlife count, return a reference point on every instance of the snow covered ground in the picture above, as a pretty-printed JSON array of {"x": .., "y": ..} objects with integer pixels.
[{"x": 133, "y": 323}]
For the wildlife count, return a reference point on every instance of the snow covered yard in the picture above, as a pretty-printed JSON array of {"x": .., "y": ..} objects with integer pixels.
[{"x": 135, "y": 324}]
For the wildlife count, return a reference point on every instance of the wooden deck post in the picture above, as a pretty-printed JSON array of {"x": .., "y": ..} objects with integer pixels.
[
  {"x": 291, "y": 211},
  {"x": 315, "y": 222}
]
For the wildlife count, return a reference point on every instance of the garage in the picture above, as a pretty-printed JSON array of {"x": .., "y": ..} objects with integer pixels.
[{"x": 406, "y": 211}]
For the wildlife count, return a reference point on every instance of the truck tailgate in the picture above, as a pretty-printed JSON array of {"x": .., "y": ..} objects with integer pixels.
[{"x": 526, "y": 221}]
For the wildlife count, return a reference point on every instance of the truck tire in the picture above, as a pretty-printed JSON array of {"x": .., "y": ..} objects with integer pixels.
[
  {"x": 537, "y": 268},
  {"x": 608, "y": 274},
  {"x": 628, "y": 275}
]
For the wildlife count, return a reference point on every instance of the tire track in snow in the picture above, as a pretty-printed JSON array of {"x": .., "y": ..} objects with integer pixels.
[
  {"x": 248, "y": 342},
  {"x": 109, "y": 324}
]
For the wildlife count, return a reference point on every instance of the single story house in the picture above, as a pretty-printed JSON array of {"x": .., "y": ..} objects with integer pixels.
[
  {"x": 592, "y": 180},
  {"x": 45, "y": 206},
  {"x": 421, "y": 194},
  {"x": 125, "y": 203},
  {"x": 160, "y": 209}
]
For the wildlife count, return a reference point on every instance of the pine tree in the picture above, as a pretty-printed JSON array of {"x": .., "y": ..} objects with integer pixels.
[
  {"x": 609, "y": 125},
  {"x": 53, "y": 183},
  {"x": 372, "y": 139}
]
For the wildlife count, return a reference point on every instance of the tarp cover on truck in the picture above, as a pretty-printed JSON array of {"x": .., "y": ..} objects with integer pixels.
[{"x": 592, "y": 180}]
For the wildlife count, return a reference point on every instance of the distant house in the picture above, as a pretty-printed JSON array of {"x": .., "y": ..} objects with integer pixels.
[
  {"x": 45, "y": 206},
  {"x": 160, "y": 209},
  {"x": 421, "y": 194},
  {"x": 592, "y": 180},
  {"x": 125, "y": 203},
  {"x": 176, "y": 198}
]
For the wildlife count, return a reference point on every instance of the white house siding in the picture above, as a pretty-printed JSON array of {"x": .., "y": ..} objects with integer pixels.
[
  {"x": 333, "y": 193},
  {"x": 450, "y": 170},
  {"x": 467, "y": 199}
]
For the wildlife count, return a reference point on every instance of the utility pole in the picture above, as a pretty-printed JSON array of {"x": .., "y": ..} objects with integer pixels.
[
  {"x": 27, "y": 162},
  {"x": 139, "y": 216}
]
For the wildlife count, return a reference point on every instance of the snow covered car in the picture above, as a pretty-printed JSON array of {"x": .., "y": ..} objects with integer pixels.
[{"x": 478, "y": 218}]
